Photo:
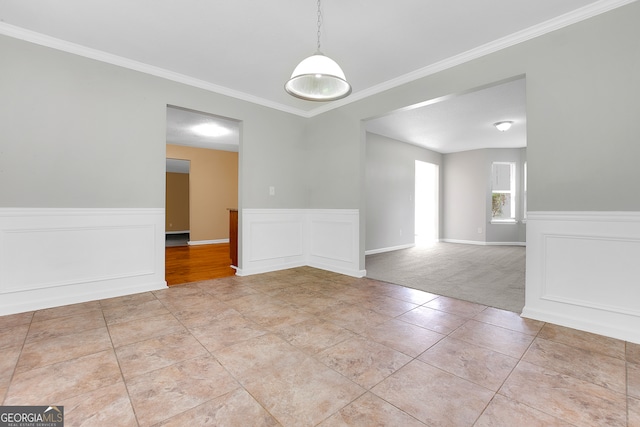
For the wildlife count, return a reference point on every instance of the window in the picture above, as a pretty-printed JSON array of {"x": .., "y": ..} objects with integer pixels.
[{"x": 503, "y": 192}]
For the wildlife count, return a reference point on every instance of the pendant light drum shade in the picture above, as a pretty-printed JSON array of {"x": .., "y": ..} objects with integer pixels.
[{"x": 318, "y": 78}]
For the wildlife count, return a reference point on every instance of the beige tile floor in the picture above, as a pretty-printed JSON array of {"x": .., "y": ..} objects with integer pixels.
[{"x": 306, "y": 347}]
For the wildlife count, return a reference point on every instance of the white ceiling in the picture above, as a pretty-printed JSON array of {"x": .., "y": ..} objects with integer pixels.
[
  {"x": 180, "y": 124},
  {"x": 463, "y": 122},
  {"x": 248, "y": 49}
]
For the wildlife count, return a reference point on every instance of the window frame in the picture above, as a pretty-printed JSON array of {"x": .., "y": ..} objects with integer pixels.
[{"x": 513, "y": 205}]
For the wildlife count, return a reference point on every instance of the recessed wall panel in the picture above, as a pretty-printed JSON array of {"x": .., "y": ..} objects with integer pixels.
[{"x": 595, "y": 272}]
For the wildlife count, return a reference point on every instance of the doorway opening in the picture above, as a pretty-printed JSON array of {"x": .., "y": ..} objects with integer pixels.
[
  {"x": 456, "y": 132},
  {"x": 207, "y": 148},
  {"x": 426, "y": 203}
]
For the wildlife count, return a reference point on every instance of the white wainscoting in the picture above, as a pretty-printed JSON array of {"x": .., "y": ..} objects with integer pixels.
[
  {"x": 51, "y": 257},
  {"x": 272, "y": 239},
  {"x": 583, "y": 271},
  {"x": 334, "y": 240},
  {"x": 277, "y": 239}
]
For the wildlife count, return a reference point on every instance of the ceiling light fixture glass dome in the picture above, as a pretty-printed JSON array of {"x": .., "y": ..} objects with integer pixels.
[
  {"x": 503, "y": 126},
  {"x": 210, "y": 130},
  {"x": 318, "y": 77}
]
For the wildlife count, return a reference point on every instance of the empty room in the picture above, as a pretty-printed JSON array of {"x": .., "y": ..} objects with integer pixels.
[{"x": 302, "y": 334}]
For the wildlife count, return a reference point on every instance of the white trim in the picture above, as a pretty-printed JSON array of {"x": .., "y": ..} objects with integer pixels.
[
  {"x": 270, "y": 212},
  {"x": 57, "y": 256},
  {"x": 562, "y": 21},
  {"x": 72, "y": 212},
  {"x": 483, "y": 243},
  {"x": 207, "y": 242},
  {"x": 622, "y": 328},
  {"x": 582, "y": 271},
  {"x": 599, "y": 216},
  {"x": 389, "y": 249},
  {"x": 177, "y": 232},
  {"x": 466, "y": 242},
  {"x": 506, "y": 243},
  {"x": 268, "y": 269}
]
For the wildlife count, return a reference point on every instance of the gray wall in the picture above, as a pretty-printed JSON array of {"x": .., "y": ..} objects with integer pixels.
[
  {"x": 583, "y": 99},
  {"x": 81, "y": 133},
  {"x": 465, "y": 181},
  {"x": 335, "y": 161},
  {"x": 78, "y": 133},
  {"x": 390, "y": 188},
  {"x": 465, "y": 193}
]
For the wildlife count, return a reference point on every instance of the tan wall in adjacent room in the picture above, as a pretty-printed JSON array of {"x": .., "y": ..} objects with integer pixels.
[
  {"x": 177, "y": 202},
  {"x": 213, "y": 188}
]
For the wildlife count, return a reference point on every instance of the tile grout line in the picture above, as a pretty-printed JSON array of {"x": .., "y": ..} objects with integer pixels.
[
  {"x": 115, "y": 354},
  {"x": 217, "y": 361},
  {"x": 13, "y": 374}
]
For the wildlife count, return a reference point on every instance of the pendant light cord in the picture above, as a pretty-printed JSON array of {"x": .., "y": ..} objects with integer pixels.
[{"x": 319, "y": 24}]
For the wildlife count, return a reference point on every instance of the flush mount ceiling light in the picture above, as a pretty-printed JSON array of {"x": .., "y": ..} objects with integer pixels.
[
  {"x": 503, "y": 126},
  {"x": 318, "y": 77},
  {"x": 210, "y": 129}
]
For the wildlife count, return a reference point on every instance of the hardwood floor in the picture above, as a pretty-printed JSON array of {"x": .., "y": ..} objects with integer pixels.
[{"x": 185, "y": 264}]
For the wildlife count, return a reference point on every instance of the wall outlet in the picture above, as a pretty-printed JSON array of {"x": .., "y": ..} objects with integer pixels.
[
  {"x": 479, "y": 230},
  {"x": 401, "y": 231},
  {"x": 272, "y": 190}
]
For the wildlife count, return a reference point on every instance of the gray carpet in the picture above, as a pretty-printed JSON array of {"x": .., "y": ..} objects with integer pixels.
[{"x": 488, "y": 275}]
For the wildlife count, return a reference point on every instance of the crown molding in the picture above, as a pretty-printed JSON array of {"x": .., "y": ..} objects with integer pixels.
[
  {"x": 491, "y": 47},
  {"x": 561, "y": 21},
  {"x": 98, "y": 55}
]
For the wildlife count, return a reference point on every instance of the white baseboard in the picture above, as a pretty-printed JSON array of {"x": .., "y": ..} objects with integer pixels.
[
  {"x": 177, "y": 232},
  {"x": 483, "y": 243},
  {"x": 608, "y": 324},
  {"x": 465, "y": 242},
  {"x": 207, "y": 242},
  {"x": 389, "y": 249},
  {"x": 582, "y": 271},
  {"x": 268, "y": 268},
  {"x": 333, "y": 268},
  {"x": 51, "y": 257}
]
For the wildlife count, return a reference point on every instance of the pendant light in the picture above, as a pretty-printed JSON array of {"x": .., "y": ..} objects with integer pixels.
[{"x": 318, "y": 77}]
